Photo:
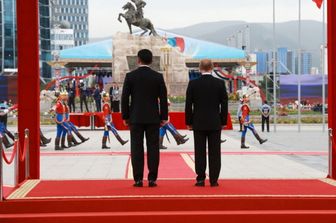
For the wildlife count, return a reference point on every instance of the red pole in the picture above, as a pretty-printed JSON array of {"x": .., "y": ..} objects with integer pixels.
[
  {"x": 331, "y": 77},
  {"x": 29, "y": 83}
]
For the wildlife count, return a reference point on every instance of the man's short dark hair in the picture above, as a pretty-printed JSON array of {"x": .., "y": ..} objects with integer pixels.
[
  {"x": 206, "y": 65},
  {"x": 145, "y": 56}
]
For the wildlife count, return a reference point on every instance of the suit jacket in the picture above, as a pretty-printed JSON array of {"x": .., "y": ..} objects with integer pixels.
[
  {"x": 144, "y": 97},
  {"x": 113, "y": 95},
  {"x": 206, "y": 103}
]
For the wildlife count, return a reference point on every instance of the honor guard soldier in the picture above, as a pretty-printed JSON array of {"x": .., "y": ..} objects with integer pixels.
[
  {"x": 247, "y": 123},
  {"x": 59, "y": 110},
  {"x": 70, "y": 127},
  {"x": 4, "y": 110},
  {"x": 109, "y": 126}
]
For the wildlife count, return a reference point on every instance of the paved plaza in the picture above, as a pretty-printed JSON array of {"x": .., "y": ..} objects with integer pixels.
[{"x": 287, "y": 155}]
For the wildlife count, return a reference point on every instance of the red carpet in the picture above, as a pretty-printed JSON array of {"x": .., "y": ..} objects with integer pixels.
[
  {"x": 238, "y": 201},
  {"x": 172, "y": 166},
  {"x": 181, "y": 188},
  {"x": 7, "y": 191}
]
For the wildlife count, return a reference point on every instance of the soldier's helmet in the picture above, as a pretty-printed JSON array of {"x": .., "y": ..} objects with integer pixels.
[
  {"x": 64, "y": 93},
  {"x": 105, "y": 95}
]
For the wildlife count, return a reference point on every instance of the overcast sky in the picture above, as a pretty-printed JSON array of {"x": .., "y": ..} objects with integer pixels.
[{"x": 167, "y": 14}]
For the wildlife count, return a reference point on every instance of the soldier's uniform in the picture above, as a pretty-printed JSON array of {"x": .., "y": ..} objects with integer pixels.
[
  {"x": 68, "y": 130},
  {"x": 3, "y": 115},
  {"x": 72, "y": 129},
  {"x": 59, "y": 119},
  {"x": 247, "y": 124},
  {"x": 4, "y": 109},
  {"x": 109, "y": 126}
]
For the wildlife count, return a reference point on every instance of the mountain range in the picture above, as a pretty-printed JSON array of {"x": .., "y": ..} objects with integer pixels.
[{"x": 261, "y": 34}]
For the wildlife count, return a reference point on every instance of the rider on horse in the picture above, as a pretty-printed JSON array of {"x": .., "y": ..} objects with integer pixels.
[{"x": 140, "y": 4}]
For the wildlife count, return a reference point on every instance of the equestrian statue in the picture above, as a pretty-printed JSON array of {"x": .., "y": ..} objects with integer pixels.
[{"x": 134, "y": 16}]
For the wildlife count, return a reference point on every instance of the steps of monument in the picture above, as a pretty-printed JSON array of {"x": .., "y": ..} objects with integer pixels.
[
  {"x": 256, "y": 209},
  {"x": 178, "y": 216}
]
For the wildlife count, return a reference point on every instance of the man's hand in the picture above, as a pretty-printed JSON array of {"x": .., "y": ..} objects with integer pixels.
[
  {"x": 125, "y": 122},
  {"x": 164, "y": 122},
  {"x": 190, "y": 127}
]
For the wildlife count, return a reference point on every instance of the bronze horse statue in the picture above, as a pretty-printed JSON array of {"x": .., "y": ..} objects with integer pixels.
[{"x": 132, "y": 19}]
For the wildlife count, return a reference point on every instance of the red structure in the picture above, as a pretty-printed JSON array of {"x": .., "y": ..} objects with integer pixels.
[
  {"x": 331, "y": 78},
  {"x": 84, "y": 120},
  {"x": 29, "y": 82}
]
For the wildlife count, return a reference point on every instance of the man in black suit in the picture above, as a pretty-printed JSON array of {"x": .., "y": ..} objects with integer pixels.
[
  {"x": 115, "y": 97},
  {"x": 206, "y": 114},
  {"x": 144, "y": 91},
  {"x": 83, "y": 94},
  {"x": 71, "y": 89}
]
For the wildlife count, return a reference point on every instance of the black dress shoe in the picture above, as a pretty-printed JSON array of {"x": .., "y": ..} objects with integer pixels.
[
  {"x": 152, "y": 183},
  {"x": 138, "y": 184},
  {"x": 214, "y": 184},
  {"x": 200, "y": 184}
]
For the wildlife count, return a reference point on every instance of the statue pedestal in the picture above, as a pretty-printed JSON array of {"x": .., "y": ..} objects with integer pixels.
[{"x": 125, "y": 49}]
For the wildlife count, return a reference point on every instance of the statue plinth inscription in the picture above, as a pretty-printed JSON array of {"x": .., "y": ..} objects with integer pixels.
[{"x": 132, "y": 63}]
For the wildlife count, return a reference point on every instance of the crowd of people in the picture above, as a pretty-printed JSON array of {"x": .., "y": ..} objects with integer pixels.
[{"x": 93, "y": 93}]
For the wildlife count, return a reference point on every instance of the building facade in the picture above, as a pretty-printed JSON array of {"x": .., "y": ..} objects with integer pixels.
[
  {"x": 8, "y": 35},
  {"x": 45, "y": 41},
  {"x": 282, "y": 60},
  {"x": 262, "y": 60},
  {"x": 306, "y": 62},
  {"x": 76, "y": 13},
  {"x": 61, "y": 39},
  {"x": 291, "y": 61}
]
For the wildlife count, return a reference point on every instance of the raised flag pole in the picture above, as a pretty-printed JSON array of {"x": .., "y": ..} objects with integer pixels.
[
  {"x": 299, "y": 70},
  {"x": 274, "y": 71},
  {"x": 323, "y": 71}
]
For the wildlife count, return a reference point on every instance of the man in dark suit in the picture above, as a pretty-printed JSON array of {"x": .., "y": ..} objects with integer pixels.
[
  {"x": 206, "y": 114},
  {"x": 144, "y": 108},
  {"x": 83, "y": 94},
  {"x": 97, "y": 97},
  {"x": 115, "y": 97},
  {"x": 71, "y": 89}
]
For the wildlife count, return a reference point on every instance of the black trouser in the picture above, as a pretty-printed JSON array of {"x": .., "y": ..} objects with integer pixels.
[
  {"x": 240, "y": 124},
  {"x": 263, "y": 120},
  {"x": 151, "y": 131},
  {"x": 115, "y": 106},
  {"x": 83, "y": 100},
  {"x": 3, "y": 119},
  {"x": 214, "y": 151},
  {"x": 98, "y": 105},
  {"x": 71, "y": 103}
]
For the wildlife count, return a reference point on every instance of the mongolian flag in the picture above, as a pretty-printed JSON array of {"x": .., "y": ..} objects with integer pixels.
[{"x": 318, "y": 3}]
